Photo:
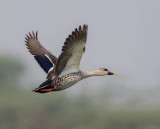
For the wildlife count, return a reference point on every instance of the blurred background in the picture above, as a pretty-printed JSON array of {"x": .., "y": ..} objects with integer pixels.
[{"x": 123, "y": 36}]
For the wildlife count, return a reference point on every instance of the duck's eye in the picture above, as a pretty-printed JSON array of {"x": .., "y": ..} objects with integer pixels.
[{"x": 105, "y": 69}]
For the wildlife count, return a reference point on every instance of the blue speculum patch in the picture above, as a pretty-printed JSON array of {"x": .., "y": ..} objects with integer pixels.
[{"x": 44, "y": 62}]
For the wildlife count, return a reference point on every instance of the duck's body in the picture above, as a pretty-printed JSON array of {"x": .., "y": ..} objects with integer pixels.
[
  {"x": 61, "y": 82},
  {"x": 64, "y": 71}
]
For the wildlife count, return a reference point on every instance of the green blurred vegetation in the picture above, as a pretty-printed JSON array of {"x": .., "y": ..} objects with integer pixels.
[{"x": 23, "y": 109}]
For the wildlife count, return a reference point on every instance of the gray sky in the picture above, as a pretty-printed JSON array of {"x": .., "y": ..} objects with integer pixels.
[{"x": 123, "y": 36}]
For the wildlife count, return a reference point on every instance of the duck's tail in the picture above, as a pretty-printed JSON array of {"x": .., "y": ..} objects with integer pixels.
[{"x": 44, "y": 87}]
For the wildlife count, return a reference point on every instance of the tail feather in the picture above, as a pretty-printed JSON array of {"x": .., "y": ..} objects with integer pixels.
[{"x": 44, "y": 87}]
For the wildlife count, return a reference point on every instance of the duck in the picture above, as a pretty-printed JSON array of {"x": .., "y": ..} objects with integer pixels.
[{"x": 62, "y": 72}]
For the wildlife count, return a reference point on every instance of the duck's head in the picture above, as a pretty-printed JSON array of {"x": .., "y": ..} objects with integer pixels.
[{"x": 106, "y": 71}]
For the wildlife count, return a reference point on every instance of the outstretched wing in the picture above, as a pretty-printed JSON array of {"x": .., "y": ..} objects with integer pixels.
[
  {"x": 44, "y": 58},
  {"x": 72, "y": 51}
]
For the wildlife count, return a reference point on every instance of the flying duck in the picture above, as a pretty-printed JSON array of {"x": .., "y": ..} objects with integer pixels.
[{"x": 62, "y": 72}]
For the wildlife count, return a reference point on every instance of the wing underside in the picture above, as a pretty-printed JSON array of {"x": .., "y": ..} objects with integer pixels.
[{"x": 72, "y": 52}]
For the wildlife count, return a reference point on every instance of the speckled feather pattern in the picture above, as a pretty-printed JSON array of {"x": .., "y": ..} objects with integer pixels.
[{"x": 63, "y": 82}]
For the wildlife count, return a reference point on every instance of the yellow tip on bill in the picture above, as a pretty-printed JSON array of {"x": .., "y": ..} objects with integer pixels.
[{"x": 114, "y": 73}]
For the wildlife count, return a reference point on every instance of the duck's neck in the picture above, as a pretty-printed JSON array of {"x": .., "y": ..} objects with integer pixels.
[{"x": 93, "y": 73}]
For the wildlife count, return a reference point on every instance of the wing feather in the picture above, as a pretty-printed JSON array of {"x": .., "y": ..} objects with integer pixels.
[
  {"x": 44, "y": 58},
  {"x": 72, "y": 51}
]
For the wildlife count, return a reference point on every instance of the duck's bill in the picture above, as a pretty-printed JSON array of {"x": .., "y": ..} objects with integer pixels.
[{"x": 110, "y": 73}]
